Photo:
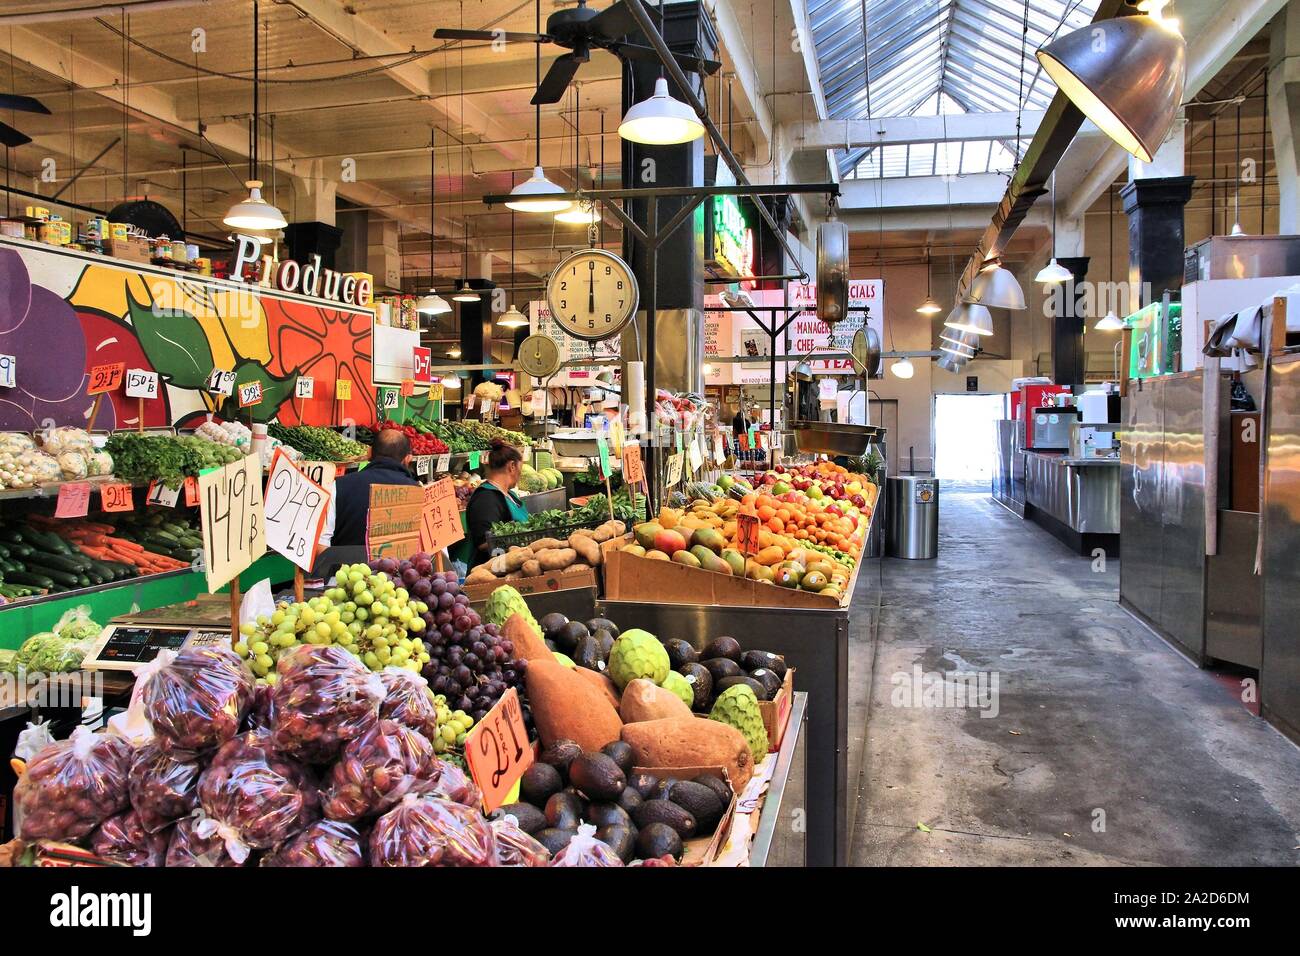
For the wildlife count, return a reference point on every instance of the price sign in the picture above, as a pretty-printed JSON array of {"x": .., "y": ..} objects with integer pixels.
[
  {"x": 423, "y": 463},
  {"x": 469, "y": 402},
  {"x": 747, "y": 534},
  {"x": 390, "y": 398},
  {"x": 752, "y": 437},
  {"x": 191, "y": 487},
  {"x": 674, "y": 469},
  {"x": 394, "y": 523},
  {"x": 295, "y": 512},
  {"x": 221, "y": 382},
  {"x": 116, "y": 498},
  {"x": 408, "y": 387},
  {"x": 8, "y": 371},
  {"x": 444, "y": 464},
  {"x": 474, "y": 458},
  {"x": 105, "y": 378},
  {"x": 304, "y": 387},
  {"x": 678, "y": 436},
  {"x": 696, "y": 456},
  {"x": 343, "y": 390},
  {"x": 141, "y": 384},
  {"x": 422, "y": 364},
  {"x": 322, "y": 473},
  {"x": 602, "y": 447},
  {"x": 497, "y": 750},
  {"x": 719, "y": 453},
  {"x": 616, "y": 436},
  {"x": 162, "y": 496},
  {"x": 633, "y": 468},
  {"x": 435, "y": 392},
  {"x": 233, "y": 519},
  {"x": 250, "y": 394},
  {"x": 74, "y": 500},
  {"x": 440, "y": 519}
]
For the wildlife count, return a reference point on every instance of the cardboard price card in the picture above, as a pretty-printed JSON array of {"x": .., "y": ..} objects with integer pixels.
[
  {"x": 497, "y": 750},
  {"x": 162, "y": 496},
  {"x": 304, "y": 387},
  {"x": 435, "y": 392},
  {"x": 422, "y": 464},
  {"x": 74, "y": 500},
  {"x": 343, "y": 390},
  {"x": 295, "y": 512},
  {"x": 407, "y": 387},
  {"x": 440, "y": 520},
  {"x": 105, "y": 378},
  {"x": 747, "y": 527},
  {"x": 323, "y": 473},
  {"x": 393, "y": 529},
  {"x": 191, "y": 488},
  {"x": 116, "y": 497},
  {"x": 602, "y": 447},
  {"x": 695, "y": 455},
  {"x": 141, "y": 383},
  {"x": 674, "y": 468},
  {"x": 633, "y": 467},
  {"x": 250, "y": 394},
  {"x": 444, "y": 464},
  {"x": 233, "y": 519},
  {"x": 390, "y": 398},
  {"x": 221, "y": 382}
]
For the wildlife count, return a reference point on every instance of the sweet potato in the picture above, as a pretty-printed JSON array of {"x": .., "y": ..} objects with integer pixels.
[
  {"x": 601, "y": 681},
  {"x": 688, "y": 742},
  {"x": 531, "y": 568},
  {"x": 643, "y": 700},
  {"x": 528, "y": 643},
  {"x": 586, "y": 547},
  {"x": 557, "y": 559},
  {"x": 545, "y": 544},
  {"x": 481, "y": 573},
  {"x": 567, "y": 706}
]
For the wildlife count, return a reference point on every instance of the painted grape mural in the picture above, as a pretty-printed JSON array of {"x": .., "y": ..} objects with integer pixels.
[{"x": 61, "y": 315}]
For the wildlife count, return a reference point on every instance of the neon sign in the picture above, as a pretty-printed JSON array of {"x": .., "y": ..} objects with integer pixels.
[{"x": 733, "y": 240}]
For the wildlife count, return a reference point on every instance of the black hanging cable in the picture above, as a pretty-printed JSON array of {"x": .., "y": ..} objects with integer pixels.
[
  {"x": 537, "y": 71},
  {"x": 257, "y": 75},
  {"x": 1236, "y": 192}
]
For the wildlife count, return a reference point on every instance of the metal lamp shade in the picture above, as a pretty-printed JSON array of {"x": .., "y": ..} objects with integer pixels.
[
  {"x": 255, "y": 212},
  {"x": 432, "y": 304},
  {"x": 950, "y": 363},
  {"x": 512, "y": 319},
  {"x": 1110, "y": 322},
  {"x": 832, "y": 272},
  {"x": 537, "y": 194},
  {"x": 970, "y": 317},
  {"x": 997, "y": 288},
  {"x": 902, "y": 368},
  {"x": 1126, "y": 75},
  {"x": 660, "y": 120},
  {"x": 1054, "y": 272}
]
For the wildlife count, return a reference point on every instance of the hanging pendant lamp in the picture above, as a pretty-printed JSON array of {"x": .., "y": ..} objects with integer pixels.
[
  {"x": 902, "y": 368},
  {"x": 1053, "y": 272},
  {"x": 513, "y": 318},
  {"x": 432, "y": 303},
  {"x": 660, "y": 120},
  {"x": 929, "y": 306},
  {"x": 454, "y": 352},
  {"x": 1110, "y": 322},
  {"x": 451, "y": 381},
  {"x": 536, "y": 193},
  {"x": 950, "y": 363},
  {"x": 1130, "y": 84},
  {"x": 996, "y": 288},
  {"x": 584, "y": 212},
  {"x": 970, "y": 317},
  {"x": 255, "y": 212}
]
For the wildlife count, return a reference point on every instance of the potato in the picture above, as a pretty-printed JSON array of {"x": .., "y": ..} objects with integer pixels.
[
  {"x": 516, "y": 559},
  {"x": 546, "y": 544},
  {"x": 481, "y": 573},
  {"x": 557, "y": 559},
  {"x": 586, "y": 547},
  {"x": 531, "y": 569}
]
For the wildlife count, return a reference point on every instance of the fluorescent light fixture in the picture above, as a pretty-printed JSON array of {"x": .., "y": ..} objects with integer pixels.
[
  {"x": 1126, "y": 75},
  {"x": 1110, "y": 322},
  {"x": 929, "y": 307},
  {"x": 1054, "y": 272},
  {"x": 432, "y": 304},
  {"x": 255, "y": 212},
  {"x": 536, "y": 194},
  {"x": 512, "y": 319},
  {"x": 970, "y": 317},
  {"x": 902, "y": 368},
  {"x": 996, "y": 288},
  {"x": 660, "y": 120}
]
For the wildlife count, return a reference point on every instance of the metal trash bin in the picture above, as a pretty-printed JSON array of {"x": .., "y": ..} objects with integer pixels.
[{"x": 912, "y": 517}]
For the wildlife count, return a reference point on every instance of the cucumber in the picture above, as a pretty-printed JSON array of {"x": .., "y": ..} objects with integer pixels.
[
  {"x": 33, "y": 578},
  {"x": 55, "y": 575},
  {"x": 47, "y": 541},
  {"x": 4, "y": 550},
  {"x": 60, "y": 562},
  {"x": 21, "y": 551}
]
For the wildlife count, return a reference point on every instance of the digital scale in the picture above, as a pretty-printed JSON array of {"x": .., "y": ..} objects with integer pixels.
[{"x": 130, "y": 641}]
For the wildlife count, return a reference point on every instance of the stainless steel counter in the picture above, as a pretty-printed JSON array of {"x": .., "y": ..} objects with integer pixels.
[
  {"x": 1279, "y": 672},
  {"x": 1081, "y": 493}
]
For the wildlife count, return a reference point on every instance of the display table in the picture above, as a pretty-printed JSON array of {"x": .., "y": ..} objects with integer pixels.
[{"x": 776, "y": 845}]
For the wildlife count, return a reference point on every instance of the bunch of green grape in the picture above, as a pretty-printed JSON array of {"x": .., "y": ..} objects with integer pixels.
[
  {"x": 365, "y": 613},
  {"x": 453, "y": 725}
]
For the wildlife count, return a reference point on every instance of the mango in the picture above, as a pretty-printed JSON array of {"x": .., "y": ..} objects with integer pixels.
[
  {"x": 645, "y": 534},
  {"x": 814, "y": 581},
  {"x": 669, "y": 541},
  {"x": 735, "y": 560},
  {"x": 709, "y": 538},
  {"x": 686, "y": 558},
  {"x": 633, "y": 549},
  {"x": 786, "y": 578},
  {"x": 656, "y": 555},
  {"x": 710, "y": 561},
  {"x": 757, "y": 572}
]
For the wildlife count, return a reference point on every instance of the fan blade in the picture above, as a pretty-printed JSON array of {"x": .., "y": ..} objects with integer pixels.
[
  {"x": 614, "y": 22},
  {"x": 690, "y": 64},
  {"x": 11, "y": 137},
  {"x": 557, "y": 78},
  {"x": 489, "y": 36},
  {"x": 12, "y": 101}
]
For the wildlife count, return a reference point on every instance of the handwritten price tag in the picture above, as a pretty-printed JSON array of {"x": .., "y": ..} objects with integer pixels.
[
  {"x": 674, "y": 469},
  {"x": 633, "y": 467},
  {"x": 159, "y": 494},
  {"x": 343, "y": 390},
  {"x": 440, "y": 519},
  {"x": 304, "y": 387},
  {"x": 695, "y": 456},
  {"x": 116, "y": 498},
  {"x": 602, "y": 447},
  {"x": 8, "y": 371},
  {"x": 747, "y": 534},
  {"x": 435, "y": 392},
  {"x": 390, "y": 398},
  {"x": 422, "y": 464},
  {"x": 719, "y": 454},
  {"x": 233, "y": 519},
  {"x": 474, "y": 459},
  {"x": 408, "y": 387},
  {"x": 497, "y": 750},
  {"x": 221, "y": 382},
  {"x": 105, "y": 378},
  {"x": 141, "y": 384},
  {"x": 74, "y": 500},
  {"x": 321, "y": 472},
  {"x": 444, "y": 464},
  {"x": 191, "y": 487},
  {"x": 250, "y": 394},
  {"x": 295, "y": 512}
]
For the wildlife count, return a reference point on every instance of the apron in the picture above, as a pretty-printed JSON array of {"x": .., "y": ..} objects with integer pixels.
[{"x": 517, "y": 513}]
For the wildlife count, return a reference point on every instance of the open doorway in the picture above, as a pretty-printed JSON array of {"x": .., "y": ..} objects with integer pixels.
[{"x": 965, "y": 437}]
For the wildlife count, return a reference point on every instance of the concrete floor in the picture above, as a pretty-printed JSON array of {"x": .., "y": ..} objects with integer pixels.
[{"x": 1108, "y": 747}]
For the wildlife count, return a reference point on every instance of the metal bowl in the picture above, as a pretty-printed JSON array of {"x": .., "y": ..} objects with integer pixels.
[{"x": 828, "y": 438}]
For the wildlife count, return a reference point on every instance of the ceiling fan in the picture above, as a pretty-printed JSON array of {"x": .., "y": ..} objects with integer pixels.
[
  {"x": 580, "y": 30},
  {"x": 12, "y": 101}
]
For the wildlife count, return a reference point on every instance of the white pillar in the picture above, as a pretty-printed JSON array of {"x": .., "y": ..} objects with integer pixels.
[
  {"x": 1168, "y": 160},
  {"x": 314, "y": 194},
  {"x": 1283, "y": 113}
]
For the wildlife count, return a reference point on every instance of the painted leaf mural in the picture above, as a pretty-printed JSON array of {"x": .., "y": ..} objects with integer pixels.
[
  {"x": 174, "y": 342},
  {"x": 275, "y": 389}
]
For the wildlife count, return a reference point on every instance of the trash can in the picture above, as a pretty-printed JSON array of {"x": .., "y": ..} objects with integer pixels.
[{"x": 912, "y": 517}]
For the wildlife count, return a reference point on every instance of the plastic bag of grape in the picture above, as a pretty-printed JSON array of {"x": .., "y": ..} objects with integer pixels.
[
  {"x": 377, "y": 769},
  {"x": 198, "y": 840},
  {"x": 429, "y": 831},
  {"x": 261, "y": 795},
  {"x": 123, "y": 839},
  {"x": 72, "y": 786},
  {"x": 194, "y": 701},
  {"x": 324, "y": 843},
  {"x": 585, "y": 850},
  {"x": 323, "y": 698},
  {"x": 515, "y": 847},
  {"x": 409, "y": 701},
  {"x": 163, "y": 789}
]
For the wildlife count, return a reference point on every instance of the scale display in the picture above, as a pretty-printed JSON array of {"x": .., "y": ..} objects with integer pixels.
[
  {"x": 127, "y": 647},
  {"x": 539, "y": 356}
]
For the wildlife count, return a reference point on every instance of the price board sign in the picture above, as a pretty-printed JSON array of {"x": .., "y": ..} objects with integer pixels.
[
  {"x": 497, "y": 750},
  {"x": 407, "y": 387},
  {"x": 440, "y": 518},
  {"x": 74, "y": 500},
  {"x": 602, "y": 447},
  {"x": 162, "y": 496},
  {"x": 674, "y": 468},
  {"x": 422, "y": 364},
  {"x": 221, "y": 382},
  {"x": 322, "y": 473},
  {"x": 695, "y": 456},
  {"x": 250, "y": 394},
  {"x": 8, "y": 371},
  {"x": 719, "y": 453},
  {"x": 304, "y": 387},
  {"x": 233, "y": 519},
  {"x": 633, "y": 467},
  {"x": 141, "y": 383},
  {"x": 422, "y": 464},
  {"x": 116, "y": 497},
  {"x": 394, "y": 523},
  {"x": 390, "y": 398},
  {"x": 295, "y": 512},
  {"x": 343, "y": 390},
  {"x": 435, "y": 392},
  {"x": 444, "y": 463},
  {"x": 105, "y": 378},
  {"x": 747, "y": 534}
]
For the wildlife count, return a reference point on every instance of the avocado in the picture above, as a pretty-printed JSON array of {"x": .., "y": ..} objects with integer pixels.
[
  {"x": 564, "y": 811},
  {"x": 727, "y": 647},
  {"x": 656, "y": 840},
  {"x": 529, "y": 818},
  {"x": 759, "y": 690},
  {"x": 539, "y": 783},
  {"x": 554, "y": 839},
  {"x": 605, "y": 640},
  {"x": 662, "y": 788},
  {"x": 663, "y": 811},
  {"x": 723, "y": 667},
  {"x": 620, "y": 753},
  {"x": 630, "y": 799},
  {"x": 719, "y": 786},
  {"x": 753, "y": 660},
  {"x": 550, "y": 645},
  {"x": 608, "y": 814},
  {"x": 621, "y": 839},
  {"x": 680, "y": 652},
  {"x": 560, "y": 754},
  {"x": 587, "y": 654},
  {"x": 700, "y": 802},
  {"x": 701, "y": 681},
  {"x": 643, "y": 783},
  {"x": 602, "y": 624},
  {"x": 552, "y": 623},
  {"x": 771, "y": 683},
  {"x": 567, "y": 637},
  {"x": 598, "y": 776}
]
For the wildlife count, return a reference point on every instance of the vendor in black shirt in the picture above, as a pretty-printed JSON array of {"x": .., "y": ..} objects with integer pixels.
[
  {"x": 494, "y": 500},
  {"x": 389, "y": 458}
]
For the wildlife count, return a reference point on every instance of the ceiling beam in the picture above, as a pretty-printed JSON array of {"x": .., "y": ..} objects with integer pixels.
[
  {"x": 901, "y": 130},
  {"x": 910, "y": 192}
]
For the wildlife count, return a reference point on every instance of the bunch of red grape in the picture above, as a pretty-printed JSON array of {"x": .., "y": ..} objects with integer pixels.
[{"x": 471, "y": 663}]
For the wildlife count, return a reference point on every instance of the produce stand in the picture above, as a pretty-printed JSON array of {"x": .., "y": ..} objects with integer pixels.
[{"x": 773, "y": 844}]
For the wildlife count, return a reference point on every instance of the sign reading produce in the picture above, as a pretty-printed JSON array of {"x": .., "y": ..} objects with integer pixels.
[{"x": 291, "y": 276}]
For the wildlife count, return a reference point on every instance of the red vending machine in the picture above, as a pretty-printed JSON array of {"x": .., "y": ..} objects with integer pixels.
[{"x": 1028, "y": 397}]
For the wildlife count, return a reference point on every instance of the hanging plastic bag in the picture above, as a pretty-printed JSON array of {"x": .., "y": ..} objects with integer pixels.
[
  {"x": 585, "y": 850},
  {"x": 163, "y": 788},
  {"x": 32, "y": 739},
  {"x": 324, "y": 843},
  {"x": 377, "y": 769},
  {"x": 515, "y": 847},
  {"x": 261, "y": 795},
  {"x": 76, "y": 625},
  {"x": 428, "y": 831},
  {"x": 408, "y": 700},
  {"x": 199, "y": 840},
  {"x": 195, "y": 703},
  {"x": 324, "y": 697},
  {"x": 72, "y": 786},
  {"x": 455, "y": 785},
  {"x": 123, "y": 839}
]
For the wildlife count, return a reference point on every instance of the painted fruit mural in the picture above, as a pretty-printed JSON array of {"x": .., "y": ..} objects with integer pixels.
[{"x": 181, "y": 328}]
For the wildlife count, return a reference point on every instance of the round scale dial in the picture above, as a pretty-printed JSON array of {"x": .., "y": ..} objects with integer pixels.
[
  {"x": 539, "y": 356},
  {"x": 592, "y": 294}
]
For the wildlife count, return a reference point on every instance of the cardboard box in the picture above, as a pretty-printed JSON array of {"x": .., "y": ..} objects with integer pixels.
[
  {"x": 632, "y": 578},
  {"x": 133, "y": 249},
  {"x": 776, "y": 712},
  {"x": 700, "y": 849},
  {"x": 551, "y": 581}
]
